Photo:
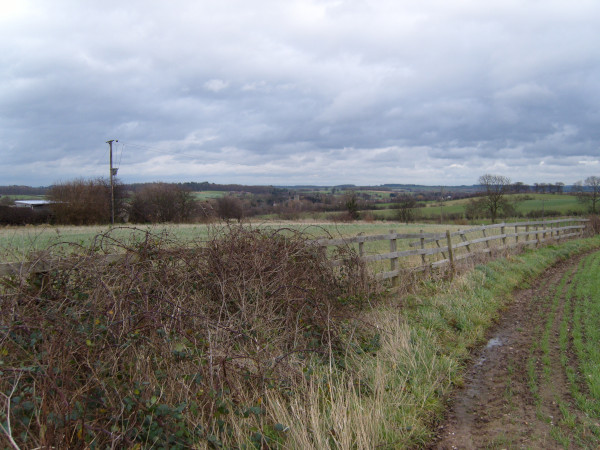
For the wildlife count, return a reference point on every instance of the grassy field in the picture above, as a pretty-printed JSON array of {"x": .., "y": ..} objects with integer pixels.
[
  {"x": 550, "y": 203},
  {"x": 17, "y": 242},
  {"x": 570, "y": 336},
  {"x": 25, "y": 197},
  {"x": 206, "y": 195}
]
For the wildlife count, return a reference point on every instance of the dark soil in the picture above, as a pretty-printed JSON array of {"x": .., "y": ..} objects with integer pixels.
[{"x": 497, "y": 406}]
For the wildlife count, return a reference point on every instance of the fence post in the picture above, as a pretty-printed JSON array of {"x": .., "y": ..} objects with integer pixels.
[
  {"x": 393, "y": 261},
  {"x": 503, "y": 232},
  {"x": 464, "y": 239},
  {"x": 537, "y": 236},
  {"x": 487, "y": 243},
  {"x": 361, "y": 253},
  {"x": 516, "y": 234},
  {"x": 527, "y": 233},
  {"x": 422, "y": 247},
  {"x": 361, "y": 246},
  {"x": 437, "y": 242},
  {"x": 450, "y": 252},
  {"x": 544, "y": 231}
]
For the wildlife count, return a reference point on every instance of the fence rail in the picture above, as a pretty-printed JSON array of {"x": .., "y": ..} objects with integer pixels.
[
  {"x": 440, "y": 249},
  {"x": 418, "y": 251}
]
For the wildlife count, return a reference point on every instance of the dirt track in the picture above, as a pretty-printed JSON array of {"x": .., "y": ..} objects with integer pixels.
[{"x": 499, "y": 406}]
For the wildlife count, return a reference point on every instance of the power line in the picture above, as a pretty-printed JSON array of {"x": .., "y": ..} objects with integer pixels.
[{"x": 121, "y": 155}]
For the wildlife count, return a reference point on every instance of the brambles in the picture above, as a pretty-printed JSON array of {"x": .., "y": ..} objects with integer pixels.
[{"x": 172, "y": 345}]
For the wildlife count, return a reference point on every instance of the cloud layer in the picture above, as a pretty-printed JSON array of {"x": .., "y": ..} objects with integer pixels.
[{"x": 301, "y": 91}]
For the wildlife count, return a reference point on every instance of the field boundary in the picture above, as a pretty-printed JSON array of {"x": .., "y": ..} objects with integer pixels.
[
  {"x": 441, "y": 249},
  {"x": 419, "y": 251}
]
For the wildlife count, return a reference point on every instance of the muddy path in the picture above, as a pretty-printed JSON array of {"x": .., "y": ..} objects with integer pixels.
[{"x": 516, "y": 393}]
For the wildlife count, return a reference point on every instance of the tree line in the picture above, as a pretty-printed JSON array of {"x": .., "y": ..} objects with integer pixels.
[
  {"x": 494, "y": 201},
  {"x": 88, "y": 201}
]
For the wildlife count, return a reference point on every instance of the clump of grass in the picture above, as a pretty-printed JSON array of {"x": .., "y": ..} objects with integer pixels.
[{"x": 173, "y": 345}]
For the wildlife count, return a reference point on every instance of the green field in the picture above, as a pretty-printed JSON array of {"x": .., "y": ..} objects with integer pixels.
[
  {"x": 567, "y": 348},
  {"x": 207, "y": 195},
  {"x": 549, "y": 203},
  {"x": 24, "y": 197}
]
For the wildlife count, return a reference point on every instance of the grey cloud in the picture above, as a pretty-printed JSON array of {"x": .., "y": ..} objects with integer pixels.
[{"x": 277, "y": 91}]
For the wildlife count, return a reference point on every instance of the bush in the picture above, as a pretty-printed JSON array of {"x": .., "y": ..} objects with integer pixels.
[
  {"x": 85, "y": 202},
  {"x": 10, "y": 215},
  {"x": 538, "y": 213},
  {"x": 171, "y": 346},
  {"x": 6, "y": 201},
  {"x": 230, "y": 207},
  {"x": 163, "y": 202}
]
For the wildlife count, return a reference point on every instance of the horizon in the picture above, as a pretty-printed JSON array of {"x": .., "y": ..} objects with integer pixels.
[{"x": 299, "y": 186}]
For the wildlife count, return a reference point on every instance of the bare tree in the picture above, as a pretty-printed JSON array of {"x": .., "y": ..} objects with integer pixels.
[
  {"x": 559, "y": 187},
  {"x": 84, "y": 202},
  {"x": 494, "y": 198},
  {"x": 588, "y": 192},
  {"x": 230, "y": 207},
  {"x": 519, "y": 187},
  {"x": 162, "y": 202},
  {"x": 351, "y": 204},
  {"x": 406, "y": 208}
]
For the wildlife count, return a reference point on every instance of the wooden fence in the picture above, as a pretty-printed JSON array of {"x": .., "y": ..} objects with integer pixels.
[{"x": 422, "y": 251}]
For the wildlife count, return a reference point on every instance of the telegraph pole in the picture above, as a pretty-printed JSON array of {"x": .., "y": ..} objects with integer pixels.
[{"x": 113, "y": 172}]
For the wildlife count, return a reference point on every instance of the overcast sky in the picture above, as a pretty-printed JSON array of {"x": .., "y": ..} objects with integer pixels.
[{"x": 290, "y": 92}]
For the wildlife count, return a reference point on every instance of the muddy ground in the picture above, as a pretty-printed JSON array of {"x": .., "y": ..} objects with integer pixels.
[{"x": 497, "y": 407}]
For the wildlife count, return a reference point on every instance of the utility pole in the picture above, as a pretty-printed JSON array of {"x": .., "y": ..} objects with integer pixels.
[
  {"x": 442, "y": 200},
  {"x": 113, "y": 172}
]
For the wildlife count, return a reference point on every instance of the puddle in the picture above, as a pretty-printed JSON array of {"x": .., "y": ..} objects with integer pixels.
[{"x": 494, "y": 342}]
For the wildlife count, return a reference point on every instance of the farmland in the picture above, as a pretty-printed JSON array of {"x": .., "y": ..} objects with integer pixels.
[
  {"x": 17, "y": 242},
  {"x": 390, "y": 360},
  {"x": 536, "y": 383},
  {"x": 531, "y": 205}
]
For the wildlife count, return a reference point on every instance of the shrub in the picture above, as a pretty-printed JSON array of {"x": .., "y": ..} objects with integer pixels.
[
  {"x": 10, "y": 215},
  {"x": 230, "y": 207},
  {"x": 538, "y": 213},
  {"x": 163, "y": 202},
  {"x": 85, "y": 202}
]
